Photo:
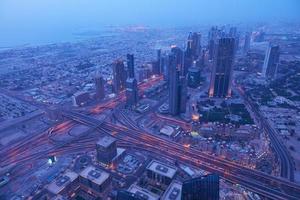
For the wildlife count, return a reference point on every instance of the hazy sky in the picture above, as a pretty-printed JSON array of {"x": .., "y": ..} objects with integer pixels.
[{"x": 28, "y": 20}]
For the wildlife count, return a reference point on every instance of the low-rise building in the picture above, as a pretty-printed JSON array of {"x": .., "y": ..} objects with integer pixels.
[{"x": 160, "y": 172}]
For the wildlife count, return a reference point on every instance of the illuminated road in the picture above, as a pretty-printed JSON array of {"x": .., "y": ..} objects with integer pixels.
[
  {"x": 253, "y": 180},
  {"x": 286, "y": 161}
]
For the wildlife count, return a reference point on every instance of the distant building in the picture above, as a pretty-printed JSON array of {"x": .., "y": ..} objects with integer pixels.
[
  {"x": 247, "y": 42},
  {"x": 220, "y": 83},
  {"x": 194, "y": 77},
  {"x": 94, "y": 178},
  {"x": 271, "y": 62},
  {"x": 130, "y": 65},
  {"x": 106, "y": 149},
  {"x": 233, "y": 33},
  {"x": 119, "y": 76},
  {"x": 80, "y": 98},
  {"x": 204, "y": 188},
  {"x": 131, "y": 92},
  {"x": 160, "y": 172},
  {"x": 99, "y": 83}
]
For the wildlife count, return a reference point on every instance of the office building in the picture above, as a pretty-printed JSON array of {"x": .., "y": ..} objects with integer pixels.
[
  {"x": 247, "y": 42},
  {"x": 64, "y": 184},
  {"x": 204, "y": 188},
  {"x": 213, "y": 35},
  {"x": 179, "y": 56},
  {"x": 131, "y": 92},
  {"x": 271, "y": 62},
  {"x": 173, "y": 85},
  {"x": 81, "y": 98},
  {"x": 106, "y": 149},
  {"x": 119, "y": 76},
  {"x": 142, "y": 193},
  {"x": 130, "y": 65},
  {"x": 233, "y": 33},
  {"x": 220, "y": 83},
  {"x": 194, "y": 77},
  {"x": 182, "y": 94},
  {"x": 99, "y": 83},
  {"x": 157, "y": 65},
  {"x": 160, "y": 172},
  {"x": 95, "y": 179}
]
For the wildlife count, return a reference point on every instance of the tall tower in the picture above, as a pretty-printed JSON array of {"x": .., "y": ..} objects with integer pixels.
[
  {"x": 99, "y": 83},
  {"x": 130, "y": 65},
  {"x": 196, "y": 45},
  {"x": 247, "y": 42},
  {"x": 119, "y": 76},
  {"x": 271, "y": 61},
  {"x": 173, "y": 85},
  {"x": 220, "y": 83},
  {"x": 131, "y": 92}
]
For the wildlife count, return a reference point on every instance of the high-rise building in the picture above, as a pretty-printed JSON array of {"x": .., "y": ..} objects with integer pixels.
[
  {"x": 271, "y": 61},
  {"x": 213, "y": 35},
  {"x": 131, "y": 92},
  {"x": 194, "y": 45},
  {"x": 106, "y": 149},
  {"x": 119, "y": 76},
  {"x": 157, "y": 66},
  {"x": 233, "y": 33},
  {"x": 173, "y": 85},
  {"x": 247, "y": 42},
  {"x": 193, "y": 77},
  {"x": 220, "y": 83},
  {"x": 99, "y": 83},
  {"x": 183, "y": 94},
  {"x": 130, "y": 65},
  {"x": 204, "y": 188},
  {"x": 179, "y": 56}
]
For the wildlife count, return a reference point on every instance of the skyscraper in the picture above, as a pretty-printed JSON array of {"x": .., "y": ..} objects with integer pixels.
[
  {"x": 131, "y": 92},
  {"x": 119, "y": 76},
  {"x": 173, "y": 85},
  {"x": 271, "y": 61},
  {"x": 99, "y": 83},
  {"x": 157, "y": 64},
  {"x": 201, "y": 188},
  {"x": 179, "y": 56},
  {"x": 130, "y": 65},
  {"x": 247, "y": 42},
  {"x": 183, "y": 94},
  {"x": 213, "y": 35},
  {"x": 177, "y": 87},
  {"x": 233, "y": 33},
  {"x": 220, "y": 83}
]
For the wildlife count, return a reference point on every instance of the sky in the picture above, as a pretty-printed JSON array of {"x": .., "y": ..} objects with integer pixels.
[{"x": 34, "y": 21}]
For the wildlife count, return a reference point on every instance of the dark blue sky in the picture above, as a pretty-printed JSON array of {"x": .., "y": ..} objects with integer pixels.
[{"x": 21, "y": 19}]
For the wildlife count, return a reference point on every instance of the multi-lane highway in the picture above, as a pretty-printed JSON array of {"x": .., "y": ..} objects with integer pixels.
[
  {"x": 259, "y": 182},
  {"x": 286, "y": 161}
]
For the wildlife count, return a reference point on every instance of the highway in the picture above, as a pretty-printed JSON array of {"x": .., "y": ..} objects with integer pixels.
[
  {"x": 253, "y": 180},
  {"x": 286, "y": 161},
  {"x": 38, "y": 147}
]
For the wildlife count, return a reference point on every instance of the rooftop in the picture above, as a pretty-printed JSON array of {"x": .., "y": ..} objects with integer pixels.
[
  {"x": 61, "y": 182},
  {"x": 106, "y": 141},
  {"x": 162, "y": 169},
  {"x": 143, "y": 193},
  {"x": 173, "y": 192},
  {"x": 94, "y": 174}
]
